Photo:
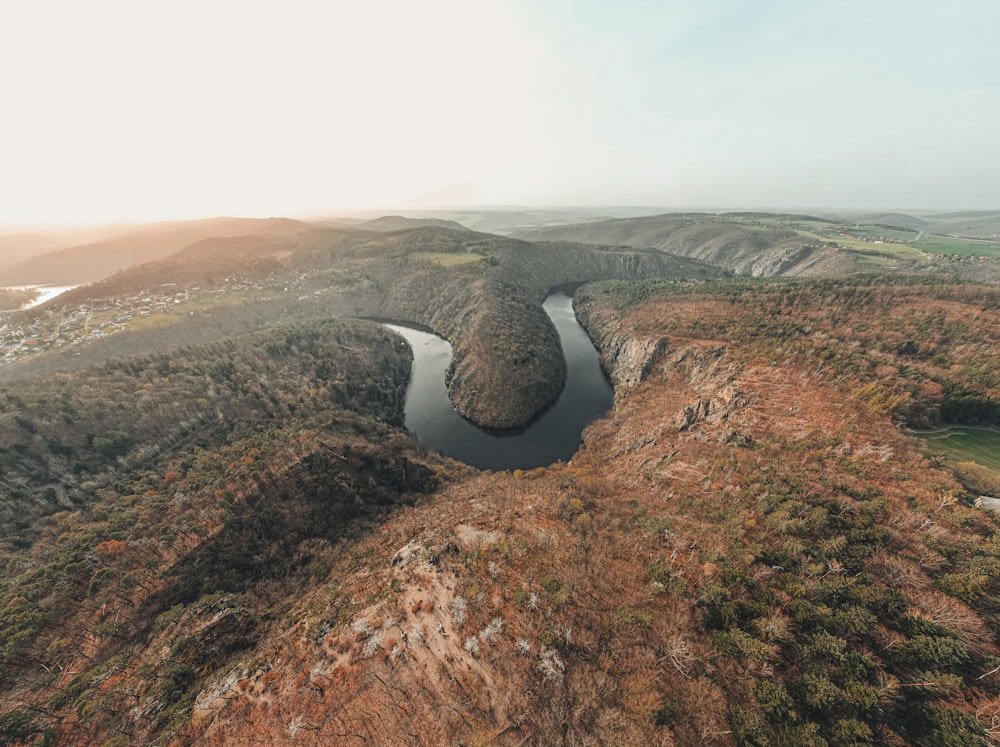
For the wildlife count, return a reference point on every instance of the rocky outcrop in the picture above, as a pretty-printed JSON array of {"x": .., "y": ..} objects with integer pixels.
[
  {"x": 630, "y": 357},
  {"x": 627, "y": 359},
  {"x": 716, "y": 409}
]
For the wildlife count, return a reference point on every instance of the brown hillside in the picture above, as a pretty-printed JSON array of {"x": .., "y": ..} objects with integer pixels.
[
  {"x": 747, "y": 550},
  {"x": 744, "y": 552}
]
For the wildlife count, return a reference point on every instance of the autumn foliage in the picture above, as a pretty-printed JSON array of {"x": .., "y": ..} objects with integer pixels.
[{"x": 749, "y": 549}]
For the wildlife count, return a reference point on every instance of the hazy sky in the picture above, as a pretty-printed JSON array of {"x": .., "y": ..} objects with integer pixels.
[{"x": 125, "y": 109}]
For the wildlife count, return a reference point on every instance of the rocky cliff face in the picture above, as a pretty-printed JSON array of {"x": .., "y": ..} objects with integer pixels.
[
  {"x": 630, "y": 357},
  {"x": 626, "y": 358}
]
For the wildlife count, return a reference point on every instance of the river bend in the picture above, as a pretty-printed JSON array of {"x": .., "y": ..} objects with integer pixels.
[{"x": 554, "y": 436}]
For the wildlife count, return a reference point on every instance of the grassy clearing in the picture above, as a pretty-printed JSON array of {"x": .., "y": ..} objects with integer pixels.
[
  {"x": 825, "y": 238},
  {"x": 900, "y": 251},
  {"x": 443, "y": 259},
  {"x": 897, "y": 251},
  {"x": 152, "y": 321},
  {"x": 966, "y": 444},
  {"x": 903, "y": 252},
  {"x": 214, "y": 300},
  {"x": 891, "y": 243},
  {"x": 200, "y": 305}
]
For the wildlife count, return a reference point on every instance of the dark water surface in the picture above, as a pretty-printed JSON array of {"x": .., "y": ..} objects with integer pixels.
[{"x": 554, "y": 436}]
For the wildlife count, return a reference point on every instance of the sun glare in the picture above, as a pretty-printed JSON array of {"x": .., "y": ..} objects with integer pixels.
[
  {"x": 125, "y": 110},
  {"x": 233, "y": 108}
]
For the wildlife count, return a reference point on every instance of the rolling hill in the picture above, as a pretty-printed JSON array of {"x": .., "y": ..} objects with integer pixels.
[{"x": 728, "y": 242}]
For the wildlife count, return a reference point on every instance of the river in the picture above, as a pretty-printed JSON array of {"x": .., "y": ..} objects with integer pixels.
[
  {"x": 555, "y": 436},
  {"x": 45, "y": 292}
]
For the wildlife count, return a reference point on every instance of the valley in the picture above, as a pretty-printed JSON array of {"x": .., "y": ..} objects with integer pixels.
[{"x": 215, "y": 528}]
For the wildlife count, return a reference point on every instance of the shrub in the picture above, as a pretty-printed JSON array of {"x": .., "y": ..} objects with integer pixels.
[
  {"x": 634, "y": 616},
  {"x": 668, "y": 712},
  {"x": 17, "y": 727},
  {"x": 551, "y": 585},
  {"x": 848, "y": 731},
  {"x": 945, "y": 726},
  {"x": 966, "y": 586},
  {"x": 774, "y": 700},
  {"x": 803, "y": 735},
  {"x": 98, "y": 580},
  {"x": 932, "y": 652},
  {"x": 749, "y": 727},
  {"x": 817, "y": 691},
  {"x": 740, "y": 643}
]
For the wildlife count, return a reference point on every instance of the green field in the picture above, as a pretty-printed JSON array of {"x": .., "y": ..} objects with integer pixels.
[
  {"x": 925, "y": 242},
  {"x": 965, "y": 444},
  {"x": 955, "y": 245},
  {"x": 864, "y": 237},
  {"x": 158, "y": 319},
  {"x": 888, "y": 233},
  {"x": 859, "y": 238}
]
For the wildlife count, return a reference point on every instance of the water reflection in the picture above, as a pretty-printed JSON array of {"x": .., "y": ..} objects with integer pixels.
[{"x": 555, "y": 436}]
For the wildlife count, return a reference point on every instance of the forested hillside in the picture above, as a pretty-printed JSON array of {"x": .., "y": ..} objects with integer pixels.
[
  {"x": 482, "y": 292},
  {"x": 216, "y": 530},
  {"x": 201, "y": 486},
  {"x": 748, "y": 550},
  {"x": 65, "y": 437}
]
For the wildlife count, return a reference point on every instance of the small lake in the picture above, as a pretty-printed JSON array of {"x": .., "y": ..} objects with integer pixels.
[{"x": 555, "y": 436}]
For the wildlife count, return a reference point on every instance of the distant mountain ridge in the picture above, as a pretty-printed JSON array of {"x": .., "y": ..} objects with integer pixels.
[
  {"x": 86, "y": 263},
  {"x": 968, "y": 223},
  {"x": 398, "y": 222}
]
